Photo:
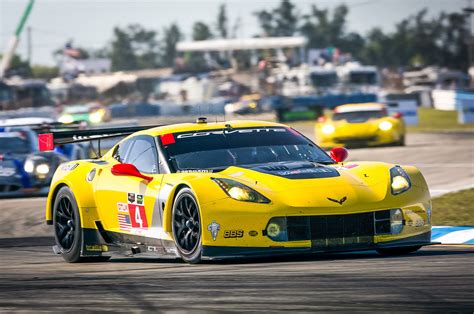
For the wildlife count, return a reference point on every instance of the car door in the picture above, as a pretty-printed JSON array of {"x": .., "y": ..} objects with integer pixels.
[{"x": 128, "y": 204}]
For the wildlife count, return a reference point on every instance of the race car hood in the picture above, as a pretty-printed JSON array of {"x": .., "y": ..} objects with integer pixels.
[{"x": 305, "y": 184}]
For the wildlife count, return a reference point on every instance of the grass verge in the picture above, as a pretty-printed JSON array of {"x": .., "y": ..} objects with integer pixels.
[
  {"x": 454, "y": 209},
  {"x": 432, "y": 120}
]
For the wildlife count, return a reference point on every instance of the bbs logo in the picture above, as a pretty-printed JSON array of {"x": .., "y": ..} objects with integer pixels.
[{"x": 233, "y": 234}]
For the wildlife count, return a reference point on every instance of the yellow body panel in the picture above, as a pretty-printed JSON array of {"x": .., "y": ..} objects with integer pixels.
[
  {"x": 365, "y": 184},
  {"x": 368, "y": 133}
]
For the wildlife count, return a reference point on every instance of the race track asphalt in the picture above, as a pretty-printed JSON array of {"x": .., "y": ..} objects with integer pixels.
[{"x": 434, "y": 279}]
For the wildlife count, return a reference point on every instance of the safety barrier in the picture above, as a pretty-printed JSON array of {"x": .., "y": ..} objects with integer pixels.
[
  {"x": 453, "y": 235},
  {"x": 134, "y": 110}
]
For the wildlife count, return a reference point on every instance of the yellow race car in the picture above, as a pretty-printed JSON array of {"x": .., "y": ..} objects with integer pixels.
[
  {"x": 356, "y": 125},
  {"x": 229, "y": 189}
]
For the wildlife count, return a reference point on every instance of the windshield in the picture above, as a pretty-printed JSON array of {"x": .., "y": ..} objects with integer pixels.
[
  {"x": 215, "y": 150},
  {"x": 358, "y": 116},
  {"x": 5, "y": 93},
  {"x": 13, "y": 143},
  {"x": 363, "y": 78},
  {"x": 323, "y": 79}
]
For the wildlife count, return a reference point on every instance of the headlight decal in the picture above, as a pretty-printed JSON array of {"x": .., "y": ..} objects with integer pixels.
[
  {"x": 399, "y": 180},
  {"x": 240, "y": 192}
]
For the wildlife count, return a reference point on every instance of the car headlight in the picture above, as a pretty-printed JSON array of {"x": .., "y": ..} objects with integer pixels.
[
  {"x": 240, "y": 192},
  {"x": 42, "y": 169},
  {"x": 399, "y": 180},
  {"x": 67, "y": 118},
  {"x": 37, "y": 166},
  {"x": 328, "y": 129},
  {"x": 96, "y": 116},
  {"x": 29, "y": 166},
  {"x": 385, "y": 125}
]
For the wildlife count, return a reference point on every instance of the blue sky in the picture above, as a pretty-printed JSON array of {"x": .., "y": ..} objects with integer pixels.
[{"x": 90, "y": 22}]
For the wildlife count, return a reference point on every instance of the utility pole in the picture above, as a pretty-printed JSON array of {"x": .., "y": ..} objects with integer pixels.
[
  {"x": 29, "y": 45},
  {"x": 10, "y": 50},
  {"x": 469, "y": 42}
]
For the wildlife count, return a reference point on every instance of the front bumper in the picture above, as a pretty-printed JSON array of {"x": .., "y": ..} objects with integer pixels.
[
  {"x": 222, "y": 252},
  {"x": 243, "y": 230}
]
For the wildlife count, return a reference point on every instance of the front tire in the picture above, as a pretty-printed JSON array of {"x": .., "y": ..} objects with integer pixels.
[
  {"x": 186, "y": 224},
  {"x": 67, "y": 226},
  {"x": 401, "y": 142},
  {"x": 398, "y": 250}
]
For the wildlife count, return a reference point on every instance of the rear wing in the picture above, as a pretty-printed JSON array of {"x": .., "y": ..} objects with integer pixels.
[{"x": 47, "y": 141}]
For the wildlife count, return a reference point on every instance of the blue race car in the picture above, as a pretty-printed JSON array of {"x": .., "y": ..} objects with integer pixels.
[{"x": 24, "y": 170}]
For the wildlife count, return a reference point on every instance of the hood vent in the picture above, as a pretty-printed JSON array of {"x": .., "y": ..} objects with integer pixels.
[{"x": 297, "y": 170}]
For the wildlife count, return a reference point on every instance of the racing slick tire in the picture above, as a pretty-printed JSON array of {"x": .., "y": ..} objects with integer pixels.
[
  {"x": 67, "y": 226},
  {"x": 68, "y": 230},
  {"x": 186, "y": 225},
  {"x": 401, "y": 142},
  {"x": 398, "y": 250}
]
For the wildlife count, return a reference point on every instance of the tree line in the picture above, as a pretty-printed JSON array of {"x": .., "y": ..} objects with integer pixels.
[{"x": 417, "y": 40}]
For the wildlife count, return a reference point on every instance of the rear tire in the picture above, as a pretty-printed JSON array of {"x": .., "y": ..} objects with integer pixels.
[
  {"x": 67, "y": 226},
  {"x": 186, "y": 224},
  {"x": 398, "y": 250}
]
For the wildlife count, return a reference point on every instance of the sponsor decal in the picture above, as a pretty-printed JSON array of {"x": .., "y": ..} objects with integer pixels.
[
  {"x": 139, "y": 199},
  {"x": 351, "y": 166},
  {"x": 96, "y": 248},
  {"x": 6, "y": 171},
  {"x": 195, "y": 171},
  {"x": 303, "y": 171},
  {"x": 342, "y": 200},
  {"x": 131, "y": 198},
  {"x": 416, "y": 223},
  {"x": 214, "y": 228},
  {"x": 253, "y": 233},
  {"x": 297, "y": 170},
  {"x": 229, "y": 131},
  {"x": 233, "y": 234},
  {"x": 155, "y": 249},
  {"x": 69, "y": 166},
  {"x": 122, "y": 208},
  {"x": 345, "y": 167}
]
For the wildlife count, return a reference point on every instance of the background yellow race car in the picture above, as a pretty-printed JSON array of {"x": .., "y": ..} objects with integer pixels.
[
  {"x": 230, "y": 189},
  {"x": 360, "y": 125}
]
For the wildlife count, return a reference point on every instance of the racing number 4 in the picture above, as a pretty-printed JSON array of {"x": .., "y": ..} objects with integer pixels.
[
  {"x": 138, "y": 219},
  {"x": 138, "y": 216}
]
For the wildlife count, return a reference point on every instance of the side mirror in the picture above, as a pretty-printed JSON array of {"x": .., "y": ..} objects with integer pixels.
[
  {"x": 338, "y": 154},
  {"x": 397, "y": 115},
  {"x": 129, "y": 170}
]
